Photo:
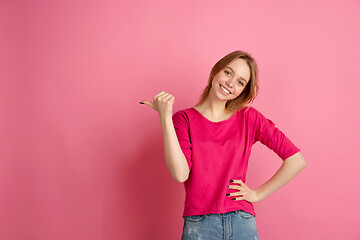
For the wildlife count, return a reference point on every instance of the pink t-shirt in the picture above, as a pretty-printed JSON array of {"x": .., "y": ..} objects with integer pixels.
[{"x": 219, "y": 151}]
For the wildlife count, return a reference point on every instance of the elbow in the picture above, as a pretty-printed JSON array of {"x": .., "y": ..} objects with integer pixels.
[
  {"x": 302, "y": 159},
  {"x": 183, "y": 176},
  {"x": 304, "y": 164},
  {"x": 181, "y": 179},
  {"x": 298, "y": 159}
]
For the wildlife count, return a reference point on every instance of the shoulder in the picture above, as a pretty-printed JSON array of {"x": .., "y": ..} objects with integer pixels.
[
  {"x": 182, "y": 112},
  {"x": 254, "y": 115},
  {"x": 251, "y": 112},
  {"x": 182, "y": 115}
]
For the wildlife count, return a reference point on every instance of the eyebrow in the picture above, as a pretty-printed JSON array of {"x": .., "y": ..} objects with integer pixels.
[{"x": 234, "y": 71}]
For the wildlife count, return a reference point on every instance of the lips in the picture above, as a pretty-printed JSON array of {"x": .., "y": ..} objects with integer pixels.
[{"x": 226, "y": 89}]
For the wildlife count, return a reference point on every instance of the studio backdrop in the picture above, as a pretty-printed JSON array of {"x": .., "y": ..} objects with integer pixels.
[{"x": 82, "y": 159}]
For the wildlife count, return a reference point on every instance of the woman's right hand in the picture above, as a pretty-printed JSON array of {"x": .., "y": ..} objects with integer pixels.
[{"x": 163, "y": 102}]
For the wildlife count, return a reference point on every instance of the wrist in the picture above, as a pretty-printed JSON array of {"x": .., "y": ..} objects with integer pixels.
[
  {"x": 165, "y": 118},
  {"x": 259, "y": 196}
]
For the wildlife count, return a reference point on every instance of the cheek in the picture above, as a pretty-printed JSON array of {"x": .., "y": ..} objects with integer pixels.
[
  {"x": 239, "y": 91},
  {"x": 216, "y": 81}
]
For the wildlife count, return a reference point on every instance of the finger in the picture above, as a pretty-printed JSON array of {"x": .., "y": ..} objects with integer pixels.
[
  {"x": 238, "y": 181},
  {"x": 163, "y": 96},
  {"x": 238, "y": 198},
  {"x": 240, "y": 190},
  {"x": 148, "y": 103},
  {"x": 236, "y": 194},
  {"x": 159, "y": 94},
  {"x": 172, "y": 99},
  {"x": 237, "y": 187},
  {"x": 168, "y": 97}
]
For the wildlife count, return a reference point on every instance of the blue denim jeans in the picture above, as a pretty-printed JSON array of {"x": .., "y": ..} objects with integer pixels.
[{"x": 235, "y": 225}]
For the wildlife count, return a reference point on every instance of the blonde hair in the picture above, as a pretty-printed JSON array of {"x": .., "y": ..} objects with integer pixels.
[{"x": 249, "y": 93}]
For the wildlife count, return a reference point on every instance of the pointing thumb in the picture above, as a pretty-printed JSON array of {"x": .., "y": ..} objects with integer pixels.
[{"x": 147, "y": 103}]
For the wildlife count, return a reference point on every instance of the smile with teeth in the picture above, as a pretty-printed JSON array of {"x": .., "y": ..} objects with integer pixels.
[{"x": 224, "y": 89}]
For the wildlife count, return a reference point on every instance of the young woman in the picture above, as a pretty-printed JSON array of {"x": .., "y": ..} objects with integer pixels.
[{"x": 207, "y": 147}]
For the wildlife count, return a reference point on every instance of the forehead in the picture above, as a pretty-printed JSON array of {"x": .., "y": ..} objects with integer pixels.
[{"x": 240, "y": 67}]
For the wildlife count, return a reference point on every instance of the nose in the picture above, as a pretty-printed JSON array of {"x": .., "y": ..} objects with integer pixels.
[{"x": 229, "y": 82}]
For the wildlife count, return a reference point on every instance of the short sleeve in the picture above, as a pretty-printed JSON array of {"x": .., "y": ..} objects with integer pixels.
[
  {"x": 268, "y": 134},
  {"x": 181, "y": 125}
]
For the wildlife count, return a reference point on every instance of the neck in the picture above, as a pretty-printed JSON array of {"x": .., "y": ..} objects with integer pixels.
[{"x": 214, "y": 109}]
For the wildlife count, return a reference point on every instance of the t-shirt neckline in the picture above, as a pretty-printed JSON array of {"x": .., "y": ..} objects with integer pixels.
[{"x": 208, "y": 120}]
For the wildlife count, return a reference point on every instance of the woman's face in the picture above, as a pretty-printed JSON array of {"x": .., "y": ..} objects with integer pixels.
[{"x": 233, "y": 78}]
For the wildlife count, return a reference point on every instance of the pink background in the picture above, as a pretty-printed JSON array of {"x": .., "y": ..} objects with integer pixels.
[{"x": 82, "y": 159}]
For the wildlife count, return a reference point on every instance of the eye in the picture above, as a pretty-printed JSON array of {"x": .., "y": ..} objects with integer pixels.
[
  {"x": 227, "y": 72},
  {"x": 242, "y": 84}
]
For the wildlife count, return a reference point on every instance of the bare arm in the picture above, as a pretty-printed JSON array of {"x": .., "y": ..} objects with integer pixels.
[
  {"x": 288, "y": 170},
  {"x": 174, "y": 156}
]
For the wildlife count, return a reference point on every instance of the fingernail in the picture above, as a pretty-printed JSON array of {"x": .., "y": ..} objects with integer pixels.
[
  {"x": 228, "y": 194},
  {"x": 142, "y": 103},
  {"x": 231, "y": 180}
]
